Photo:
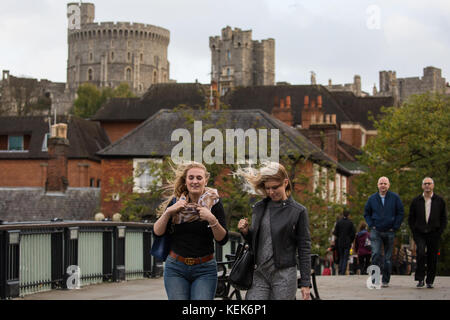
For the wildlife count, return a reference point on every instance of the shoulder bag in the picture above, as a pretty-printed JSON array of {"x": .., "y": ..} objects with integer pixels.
[{"x": 241, "y": 274}]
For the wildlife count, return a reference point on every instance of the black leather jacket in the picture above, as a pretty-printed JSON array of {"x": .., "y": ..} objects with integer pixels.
[{"x": 290, "y": 234}]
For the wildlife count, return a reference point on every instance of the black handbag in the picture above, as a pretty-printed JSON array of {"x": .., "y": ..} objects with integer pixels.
[
  {"x": 161, "y": 244},
  {"x": 241, "y": 274},
  {"x": 161, "y": 247}
]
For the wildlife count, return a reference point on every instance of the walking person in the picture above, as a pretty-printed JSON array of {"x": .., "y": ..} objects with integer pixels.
[
  {"x": 427, "y": 221},
  {"x": 279, "y": 230},
  {"x": 384, "y": 215},
  {"x": 345, "y": 234},
  {"x": 363, "y": 247},
  {"x": 194, "y": 217}
]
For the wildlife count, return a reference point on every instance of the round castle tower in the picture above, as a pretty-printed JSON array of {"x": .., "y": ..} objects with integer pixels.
[{"x": 107, "y": 54}]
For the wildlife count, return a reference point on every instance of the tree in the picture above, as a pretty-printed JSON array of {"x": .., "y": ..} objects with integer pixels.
[
  {"x": 412, "y": 142},
  {"x": 90, "y": 98}
]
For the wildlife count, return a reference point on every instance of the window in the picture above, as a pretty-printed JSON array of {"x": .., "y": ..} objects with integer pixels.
[
  {"x": 92, "y": 183},
  {"x": 155, "y": 76},
  {"x": 90, "y": 75},
  {"x": 128, "y": 74},
  {"x": 344, "y": 190},
  {"x": 331, "y": 190},
  {"x": 316, "y": 177},
  {"x": 15, "y": 143},
  {"x": 129, "y": 56},
  {"x": 338, "y": 188},
  {"x": 146, "y": 174},
  {"x": 323, "y": 181},
  {"x": 45, "y": 142},
  {"x": 228, "y": 55}
]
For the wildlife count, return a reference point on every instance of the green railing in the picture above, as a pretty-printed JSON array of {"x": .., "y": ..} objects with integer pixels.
[{"x": 35, "y": 257}]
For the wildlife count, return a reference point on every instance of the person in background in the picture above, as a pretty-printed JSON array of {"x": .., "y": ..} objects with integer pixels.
[
  {"x": 345, "y": 234},
  {"x": 384, "y": 215},
  {"x": 363, "y": 247},
  {"x": 427, "y": 220}
]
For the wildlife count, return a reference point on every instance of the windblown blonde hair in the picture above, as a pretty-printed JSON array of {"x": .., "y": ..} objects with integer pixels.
[
  {"x": 256, "y": 178},
  {"x": 177, "y": 186}
]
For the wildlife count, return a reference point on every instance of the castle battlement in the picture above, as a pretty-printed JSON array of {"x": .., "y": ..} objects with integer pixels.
[{"x": 109, "y": 53}]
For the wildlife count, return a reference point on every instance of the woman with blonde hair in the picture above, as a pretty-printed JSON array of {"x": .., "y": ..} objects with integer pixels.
[
  {"x": 194, "y": 217},
  {"x": 279, "y": 230}
]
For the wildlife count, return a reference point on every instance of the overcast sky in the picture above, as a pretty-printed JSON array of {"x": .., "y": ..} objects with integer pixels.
[{"x": 334, "y": 38}]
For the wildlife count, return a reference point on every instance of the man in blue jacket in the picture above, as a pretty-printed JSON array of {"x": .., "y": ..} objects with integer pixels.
[{"x": 384, "y": 215}]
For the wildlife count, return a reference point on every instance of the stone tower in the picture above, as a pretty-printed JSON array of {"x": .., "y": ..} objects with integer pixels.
[
  {"x": 108, "y": 53},
  {"x": 402, "y": 88},
  {"x": 237, "y": 60}
]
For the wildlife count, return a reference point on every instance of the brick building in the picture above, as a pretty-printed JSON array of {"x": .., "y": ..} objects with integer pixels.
[
  {"x": 24, "y": 152},
  {"x": 30, "y": 194},
  {"x": 151, "y": 141}
]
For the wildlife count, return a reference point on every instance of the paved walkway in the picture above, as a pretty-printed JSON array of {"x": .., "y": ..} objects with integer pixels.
[{"x": 330, "y": 288}]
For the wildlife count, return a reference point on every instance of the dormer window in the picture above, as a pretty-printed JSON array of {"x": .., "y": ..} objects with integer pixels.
[{"x": 14, "y": 143}]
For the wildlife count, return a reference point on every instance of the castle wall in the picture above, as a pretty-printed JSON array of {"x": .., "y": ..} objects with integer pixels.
[
  {"x": 108, "y": 54},
  {"x": 237, "y": 60}
]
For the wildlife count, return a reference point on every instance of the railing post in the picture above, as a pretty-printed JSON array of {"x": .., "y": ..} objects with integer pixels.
[
  {"x": 107, "y": 255},
  {"x": 219, "y": 252},
  {"x": 147, "y": 238},
  {"x": 57, "y": 256},
  {"x": 3, "y": 264},
  {"x": 119, "y": 253},
  {"x": 70, "y": 250},
  {"x": 13, "y": 263}
]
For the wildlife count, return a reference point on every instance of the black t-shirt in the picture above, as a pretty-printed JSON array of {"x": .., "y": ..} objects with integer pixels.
[{"x": 196, "y": 239}]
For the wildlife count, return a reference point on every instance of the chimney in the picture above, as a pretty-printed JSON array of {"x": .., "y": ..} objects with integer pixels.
[
  {"x": 58, "y": 149},
  {"x": 276, "y": 102}
]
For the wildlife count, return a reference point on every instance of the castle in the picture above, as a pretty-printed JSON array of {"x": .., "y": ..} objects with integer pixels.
[
  {"x": 107, "y": 54},
  {"x": 402, "y": 88},
  {"x": 237, "y": 60}
]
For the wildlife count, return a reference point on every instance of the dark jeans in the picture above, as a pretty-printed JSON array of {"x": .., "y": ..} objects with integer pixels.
[
  {"x": 427, "y": 250},
  {"x": 364, "y": 263},
  {"x": 385, "y": 238},
  {"x": 343, "y": 259}
]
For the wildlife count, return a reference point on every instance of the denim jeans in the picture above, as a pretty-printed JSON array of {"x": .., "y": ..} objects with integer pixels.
[
  {"x": 196, "y": 282},
  {"x": 385, "y": 238},
  {"x": 344, "y": 253}
]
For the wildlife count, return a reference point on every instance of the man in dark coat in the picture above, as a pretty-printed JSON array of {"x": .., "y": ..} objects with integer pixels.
[
  {"x": 345, "y": 234},
  {"x": 427, "y": 220}
]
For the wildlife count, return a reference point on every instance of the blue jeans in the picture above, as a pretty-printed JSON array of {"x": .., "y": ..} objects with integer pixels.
[
  {"x": 385, "y": 238},
  {"x": 196, "y": 282},
  {"x": 344, "y": 253}
]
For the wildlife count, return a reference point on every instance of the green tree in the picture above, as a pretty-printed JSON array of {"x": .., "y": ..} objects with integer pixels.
[
  {"x": 412, "y": 142},
  {"x": 90, "y": 98}
]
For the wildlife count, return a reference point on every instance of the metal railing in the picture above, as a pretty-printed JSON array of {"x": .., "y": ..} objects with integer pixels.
[{"x": 36, "y": 257}]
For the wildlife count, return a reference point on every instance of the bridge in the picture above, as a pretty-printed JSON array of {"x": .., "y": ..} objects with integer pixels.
[{"x": 115, "y": 264}]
